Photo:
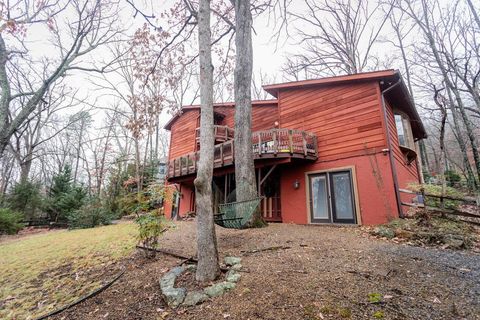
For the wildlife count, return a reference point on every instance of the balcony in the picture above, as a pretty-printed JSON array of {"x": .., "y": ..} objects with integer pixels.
[
  {"x": 268, "y": 144},
  {"x": 221, "y": 134}
]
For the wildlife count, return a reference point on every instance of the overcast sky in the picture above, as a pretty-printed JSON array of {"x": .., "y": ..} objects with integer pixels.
[{"x": 269, "y": 56}]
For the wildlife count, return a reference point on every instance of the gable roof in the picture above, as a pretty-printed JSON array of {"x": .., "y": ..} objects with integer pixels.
[
  {"x": 391, "y": 83},
  {"x": 273, "y": 89}
]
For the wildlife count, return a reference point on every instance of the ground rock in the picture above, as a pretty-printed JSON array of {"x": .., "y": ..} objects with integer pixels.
[
  {"x": 237, "y": 266},
  {"x": 233, "y": 276},
  {"x": 191, "y": 267},
  {"x": 219, "y": 288},
  {"x": 231, "y": 261},
  {"x": 195, "y": 297},
  {"x": 168, "y": 280},
  {"x": 174, "y": 296}
]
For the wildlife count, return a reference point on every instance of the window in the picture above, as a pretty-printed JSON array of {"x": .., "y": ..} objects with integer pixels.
[{"x": 404, "y": 131}]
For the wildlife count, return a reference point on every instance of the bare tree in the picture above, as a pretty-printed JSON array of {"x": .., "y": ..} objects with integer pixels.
[
  {"x": 92, "y": 25},
  {"x": 337, "y": 37},
  {"x": 246, "y": 188},
  {"x": 424, "y": 14},
  {"x": 208, "y": 268}
]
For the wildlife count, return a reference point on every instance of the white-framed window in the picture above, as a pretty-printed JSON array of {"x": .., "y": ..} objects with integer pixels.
[{"x": 404, "y": 130}]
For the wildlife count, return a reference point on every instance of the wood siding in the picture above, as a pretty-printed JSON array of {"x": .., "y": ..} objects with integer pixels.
[
  {"x": 182, "y": 139},
  {"x": 347, "y": 119},
  {"x": 409, "y": 169}
]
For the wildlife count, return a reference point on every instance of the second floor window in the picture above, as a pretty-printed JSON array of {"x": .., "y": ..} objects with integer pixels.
[{"x": 404, "y": 131}]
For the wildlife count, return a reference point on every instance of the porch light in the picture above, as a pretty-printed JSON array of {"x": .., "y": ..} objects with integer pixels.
[{"x": 296, "y": 184}]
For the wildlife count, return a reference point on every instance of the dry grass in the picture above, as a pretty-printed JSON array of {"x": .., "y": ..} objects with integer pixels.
[{"x": 42, "y": 272}]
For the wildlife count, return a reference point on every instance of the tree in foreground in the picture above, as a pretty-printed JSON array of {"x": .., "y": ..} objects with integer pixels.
[
  {"x": 246, "y": 188},
  {"x": 208, "y": 267}
]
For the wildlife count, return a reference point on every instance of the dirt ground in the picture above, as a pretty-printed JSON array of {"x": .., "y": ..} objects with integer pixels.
[{"x": 326, "y": 273}]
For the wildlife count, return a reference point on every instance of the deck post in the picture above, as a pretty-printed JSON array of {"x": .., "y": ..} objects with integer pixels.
[
  {"x": 275, "y": 142},
  {"x": 304, "y": 143},
  {"x": 290, "y": 140},
  {"x": 259, "y": 149},
  {"x": 221, "y": 154}
]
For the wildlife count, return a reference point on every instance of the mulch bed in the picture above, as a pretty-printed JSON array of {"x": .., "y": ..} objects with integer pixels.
[{"x": 317, "y": 273}]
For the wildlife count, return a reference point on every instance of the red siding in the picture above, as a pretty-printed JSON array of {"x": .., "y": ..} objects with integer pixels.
[
  {"x": 406, "y": 173},
  {"x": 182, "y": 138},
  {"x": 374, "y": 182},
  {"x": 351, "y": 130},
  {"x": 346, "y": 118}
]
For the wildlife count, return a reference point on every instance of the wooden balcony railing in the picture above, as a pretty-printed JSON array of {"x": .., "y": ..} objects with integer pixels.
[
  {"x": 221, "y": 133},
  {"x": 266, "y": 144}
]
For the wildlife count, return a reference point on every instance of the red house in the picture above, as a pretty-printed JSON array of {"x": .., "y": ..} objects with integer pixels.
[{"x": 331, "y": 150}]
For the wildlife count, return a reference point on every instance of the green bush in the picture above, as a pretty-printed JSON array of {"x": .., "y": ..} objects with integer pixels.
[
  {"x": 90, "y": 215},
  {"x": 452, "y": 178},
  {"x": 437, "y": 190},
  {"x": 64, "y": 197},
  {"x": 25, "y": 198},
  {"x": 10, "y": 221},
  {"x": 150, "y": 227}
]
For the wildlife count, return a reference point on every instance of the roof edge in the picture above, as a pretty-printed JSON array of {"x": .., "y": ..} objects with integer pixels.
[{"x": 364, "y": 76}]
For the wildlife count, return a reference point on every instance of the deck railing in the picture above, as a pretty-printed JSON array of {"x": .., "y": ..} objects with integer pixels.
[
  {"x": 266, "y": 144},
  {"x": 221, "y": 133}
]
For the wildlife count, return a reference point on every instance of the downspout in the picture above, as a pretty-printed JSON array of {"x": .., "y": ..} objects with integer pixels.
[{"x": 390, "y": 153}]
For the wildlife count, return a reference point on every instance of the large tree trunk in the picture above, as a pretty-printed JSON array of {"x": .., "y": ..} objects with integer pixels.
[
  {"x": 208, "y": 268},
  {"x": 246, "y": 187}
]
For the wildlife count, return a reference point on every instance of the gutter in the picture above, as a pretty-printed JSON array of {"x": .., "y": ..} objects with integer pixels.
[{"x": 390, "y": 153}]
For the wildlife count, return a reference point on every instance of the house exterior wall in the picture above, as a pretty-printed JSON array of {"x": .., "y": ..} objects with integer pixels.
[
  {"x": 372, "y": 180},
  {"x": 182, "y": 137},
  {"x": 351, "y": 128},
  {"x": 348, "y": 123},
  {"x": 406, "y": 173},
  {"x": 346, "y": 118}
]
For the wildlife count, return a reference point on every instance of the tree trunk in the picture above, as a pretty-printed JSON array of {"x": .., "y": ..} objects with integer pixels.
[
  {"x": 4, "y": 97},
  {"x": 246, "y": 187},
  {"x": 208, "y": 268}
]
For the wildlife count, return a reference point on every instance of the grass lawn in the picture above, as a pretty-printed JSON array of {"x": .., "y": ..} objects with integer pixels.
[{"x": 40, "y": 273}]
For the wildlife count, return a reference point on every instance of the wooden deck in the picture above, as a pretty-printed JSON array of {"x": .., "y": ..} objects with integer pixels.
[
  {"x": 267, "y": 144},
  {"x": 221, "y": 134}
]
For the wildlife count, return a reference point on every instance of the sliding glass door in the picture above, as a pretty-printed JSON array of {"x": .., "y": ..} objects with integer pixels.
[{"x": 331, "y": 197}]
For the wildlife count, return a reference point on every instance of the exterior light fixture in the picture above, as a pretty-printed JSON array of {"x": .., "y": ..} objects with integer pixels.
[{"x": 296, "y": 184}]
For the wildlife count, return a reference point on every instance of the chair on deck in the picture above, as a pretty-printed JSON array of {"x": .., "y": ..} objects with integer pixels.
[{"x": 236, "y": 215}]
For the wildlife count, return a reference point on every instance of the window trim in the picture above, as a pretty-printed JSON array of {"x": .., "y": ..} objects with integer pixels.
[{"x": 408, "y": 148}]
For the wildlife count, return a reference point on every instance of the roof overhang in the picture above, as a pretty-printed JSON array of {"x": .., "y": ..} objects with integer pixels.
[
  {"x": 399, "y": 95},
  {"x": 273, "y": 89}
]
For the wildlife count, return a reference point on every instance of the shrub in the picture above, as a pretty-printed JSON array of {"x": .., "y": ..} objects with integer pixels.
[
  {"x": 452, "y": 178},
  {"x": 63, "y": 197},
  {"x": 10, "y": 221},
  {"x": 437, "y": 190},
  {"x": 90, "y": 215},
  {"x": 25, "y": 198},
  {"x": 150, "y": 227}
]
